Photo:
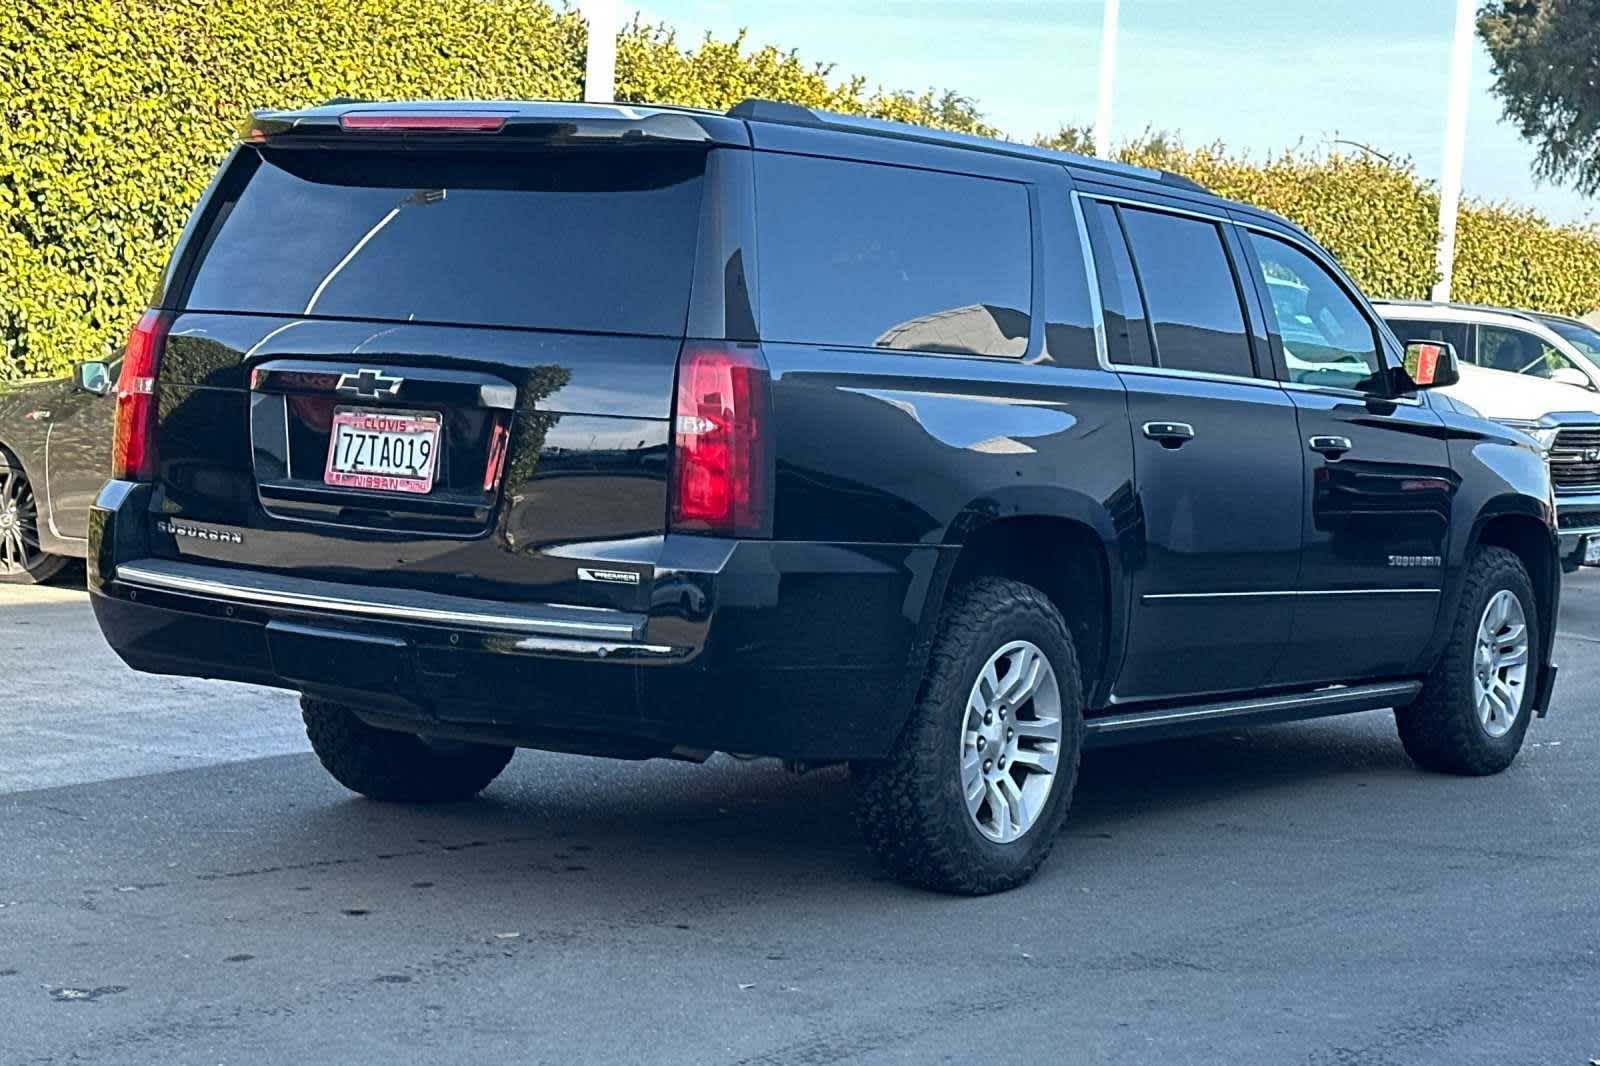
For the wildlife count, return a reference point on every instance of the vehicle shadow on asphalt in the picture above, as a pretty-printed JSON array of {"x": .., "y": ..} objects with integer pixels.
[
  {"x": 663, "y": 835},
  {"x": 75, "y": 575}
]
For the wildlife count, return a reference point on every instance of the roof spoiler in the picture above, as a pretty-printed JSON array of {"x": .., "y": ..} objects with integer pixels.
[{"x": 546, "y": 124}]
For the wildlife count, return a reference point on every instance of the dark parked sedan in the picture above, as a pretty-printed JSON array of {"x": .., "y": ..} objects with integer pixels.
[{"x": 55, "y": 453}]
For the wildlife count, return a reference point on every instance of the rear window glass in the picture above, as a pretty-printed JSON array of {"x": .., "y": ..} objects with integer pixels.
[
  {"x": 588, "y": 241},
  {"x": 863, "y": 255}
]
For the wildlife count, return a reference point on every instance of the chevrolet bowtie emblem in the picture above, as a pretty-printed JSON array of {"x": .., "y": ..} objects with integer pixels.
[{"x": 368, "y": 384}]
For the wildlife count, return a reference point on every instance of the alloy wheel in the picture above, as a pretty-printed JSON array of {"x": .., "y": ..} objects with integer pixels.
[
  {"x": 1500, "y": 663},
  {"x": 19, "y": 524},
  {"x": 1011, "y": 741}
]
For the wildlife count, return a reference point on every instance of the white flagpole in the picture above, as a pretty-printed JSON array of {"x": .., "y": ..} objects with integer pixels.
[
  {"x": 600, "y": 70},
  {"x": 1108, "y": 80},
  {"x": 1455, "y": 146}
]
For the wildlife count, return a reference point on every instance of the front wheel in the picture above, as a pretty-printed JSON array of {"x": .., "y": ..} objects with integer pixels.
[
  {"x": 1475, "y": 707},
  {"x": 972, "y": 796}
]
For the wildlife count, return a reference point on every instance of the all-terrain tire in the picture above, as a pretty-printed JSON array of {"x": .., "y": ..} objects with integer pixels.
[
  {"x": 910, "y": 806},
  {"x": 398, "y": 767},
  {"x": 1441, "y": 729}
]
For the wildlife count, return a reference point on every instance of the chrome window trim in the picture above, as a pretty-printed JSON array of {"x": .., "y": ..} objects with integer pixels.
[
  {"x": 1198, "y": 375},
  {"x": 1351, "y": 394},
  {"x": 1148, "y": 205},
  {"x": 1101, "y": 346},
  {"x": 1096, "y": 308}
]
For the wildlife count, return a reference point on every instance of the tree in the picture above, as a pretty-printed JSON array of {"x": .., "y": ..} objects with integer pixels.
[{"x": 1546, "y": 56}]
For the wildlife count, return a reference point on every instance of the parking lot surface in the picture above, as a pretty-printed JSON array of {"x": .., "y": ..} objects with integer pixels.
[{"x": 181, "y": 883}]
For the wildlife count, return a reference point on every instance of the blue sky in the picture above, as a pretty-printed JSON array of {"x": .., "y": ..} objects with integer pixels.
[{"x": 1260, "y": 75}]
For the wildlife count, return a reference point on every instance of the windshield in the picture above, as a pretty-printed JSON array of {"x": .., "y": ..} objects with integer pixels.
[{"x": 1581, "y": 337}]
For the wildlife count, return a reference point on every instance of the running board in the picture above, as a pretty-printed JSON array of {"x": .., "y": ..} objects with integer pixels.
[{"x": 1135, "y": 726}]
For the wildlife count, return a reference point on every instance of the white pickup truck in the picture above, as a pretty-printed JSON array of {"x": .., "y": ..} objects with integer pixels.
[{"x": 1539, "y": 374}]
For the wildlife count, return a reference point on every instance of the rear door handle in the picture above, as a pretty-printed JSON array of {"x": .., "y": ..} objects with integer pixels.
[
  {"x": 1332, "y": 447},
  {"x": 1169, "y": 434}
]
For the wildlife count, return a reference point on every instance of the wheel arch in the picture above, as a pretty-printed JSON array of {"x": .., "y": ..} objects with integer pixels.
[
  {"x": 1526, "y": 533},
  {"x": 1060, "y": 543}
]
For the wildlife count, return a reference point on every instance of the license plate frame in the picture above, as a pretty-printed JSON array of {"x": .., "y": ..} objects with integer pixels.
[{"x": 380, "y": 425}]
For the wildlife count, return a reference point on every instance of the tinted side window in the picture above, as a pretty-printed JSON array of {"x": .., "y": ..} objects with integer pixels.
[
  {"x": 1127, "y": 330},
  {"x": 875, "y": 256},
  {"x": 1190, "y": 290},
  {"x": 1519, "y": 352},
  {"x": 1069, "y": 314},
  {"x": 1454, "y": 333},
  {"x": 1327, "y": 339}
]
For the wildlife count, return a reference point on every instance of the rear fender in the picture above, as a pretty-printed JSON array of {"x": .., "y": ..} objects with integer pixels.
[{"x": 1113, "y": 523}]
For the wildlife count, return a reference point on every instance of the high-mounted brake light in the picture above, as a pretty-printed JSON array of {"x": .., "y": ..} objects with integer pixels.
[
  {"x": 133, "y": 445},
  {"x": 721, "y": 457},
  {"x": 422, "y": 121}
]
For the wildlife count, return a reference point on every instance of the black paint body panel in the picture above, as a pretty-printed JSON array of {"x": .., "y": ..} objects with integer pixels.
[{"x": 811, "y": 644}]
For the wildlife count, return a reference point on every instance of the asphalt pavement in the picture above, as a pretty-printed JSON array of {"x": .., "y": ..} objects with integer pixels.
[{"x": 181, "y": 883}]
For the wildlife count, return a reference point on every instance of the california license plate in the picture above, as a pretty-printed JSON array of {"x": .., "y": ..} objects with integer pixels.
[{"x": 390, "y": 451}]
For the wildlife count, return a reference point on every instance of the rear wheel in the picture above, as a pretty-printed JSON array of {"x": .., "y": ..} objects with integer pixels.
[
  {"x": 400, "y": 767},
  {"x": 1475, "y": 707},
  {"x": 22, "y": 562},
  {"x": 975, "y": 791}
]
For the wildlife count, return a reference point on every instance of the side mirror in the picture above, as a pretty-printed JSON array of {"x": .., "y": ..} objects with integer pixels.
[
  {"x": 1429, "y": 365},
  {"x": 1571, "y": 375},
  {"x": 93, "y": 377}
]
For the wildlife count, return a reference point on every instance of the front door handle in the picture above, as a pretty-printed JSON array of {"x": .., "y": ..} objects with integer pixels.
[
  {"x": 1169, "y": 434},
  {"x": 1332, "y": 447}
]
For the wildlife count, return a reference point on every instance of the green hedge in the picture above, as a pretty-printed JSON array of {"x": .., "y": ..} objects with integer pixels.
[
  {"x": 116, "y": 112},
  {"x": 1381, "y": 220}
]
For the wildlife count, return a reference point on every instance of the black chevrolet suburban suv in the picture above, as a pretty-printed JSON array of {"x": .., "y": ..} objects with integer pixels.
[{"x": 644, "y": 431}]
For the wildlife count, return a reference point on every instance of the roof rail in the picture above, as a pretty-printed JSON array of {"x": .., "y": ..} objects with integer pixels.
[
  {"x": 759, "y": 110},
  {"x": 778, "y": 112}
]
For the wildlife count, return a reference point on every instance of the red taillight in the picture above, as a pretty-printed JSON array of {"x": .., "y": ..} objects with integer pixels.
[
  {"x": 721, "y": 462},
  {"x": 422, "y": 121},
  {"x": 133, "y": 447}
]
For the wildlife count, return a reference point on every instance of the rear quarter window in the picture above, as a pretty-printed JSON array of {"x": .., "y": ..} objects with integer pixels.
[
  {"x": 591, "y": 241},
  {"x": 872, "y": 256}
]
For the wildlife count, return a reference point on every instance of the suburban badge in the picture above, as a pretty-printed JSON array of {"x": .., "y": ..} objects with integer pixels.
[
  {"x": 216, "y": 536},
  {"x": 1415, "y": 560}
]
